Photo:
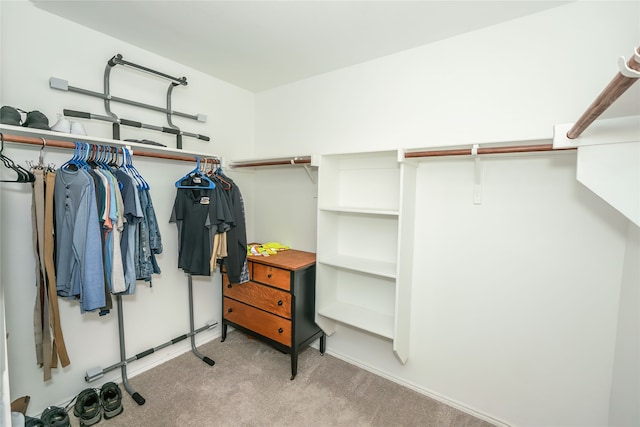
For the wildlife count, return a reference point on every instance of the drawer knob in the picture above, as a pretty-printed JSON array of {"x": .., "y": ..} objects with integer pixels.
[
  {"x": 230, "y": 310},
  {"x": 280, "y": 330},
  {"x": 279, "y": 302},
  {"x": 269, "y": 276},
  {"x": 229, "y": 286}
]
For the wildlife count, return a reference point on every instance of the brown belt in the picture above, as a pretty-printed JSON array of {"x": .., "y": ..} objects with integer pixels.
[
  {"x": 59, "y": 346},
  {"x": 42, "y": 319},
  {"x": 46, "y": 315}
]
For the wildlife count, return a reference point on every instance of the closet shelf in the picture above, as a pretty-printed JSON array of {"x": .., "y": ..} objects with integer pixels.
[
  {"x": 65, "y": 140},
  {"x": 366, "y": 211},
  {"x": 362, "y": 280},
  {"x": 363, "y": 265},
  {"x": 367, "y": 320}
]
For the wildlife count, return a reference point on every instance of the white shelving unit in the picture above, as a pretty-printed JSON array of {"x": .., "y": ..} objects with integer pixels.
[{"x": 365, "y": 244}]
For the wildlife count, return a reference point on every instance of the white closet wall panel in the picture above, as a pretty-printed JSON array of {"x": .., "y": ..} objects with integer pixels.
[
  {"x": 518, "y": 294},
  {"x": 625, "y": 389}
]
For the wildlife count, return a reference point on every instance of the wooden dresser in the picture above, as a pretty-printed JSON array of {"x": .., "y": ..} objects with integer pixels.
[{"x": 277, "y": 305}]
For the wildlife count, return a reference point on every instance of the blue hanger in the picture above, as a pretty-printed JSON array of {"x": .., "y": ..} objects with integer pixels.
[
  {"x": 127, "y": 165},
  {"x": 206, "y": 182},
  {"x": 76, "y": 159}
]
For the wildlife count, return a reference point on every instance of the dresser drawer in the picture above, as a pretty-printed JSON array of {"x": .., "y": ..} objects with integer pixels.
[
  {"x": 269, "y": 325},
  {"x": 257, "y": 295},
  {"x": 272, "y": 276}
]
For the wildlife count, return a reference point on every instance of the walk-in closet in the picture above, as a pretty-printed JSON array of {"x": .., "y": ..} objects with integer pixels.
[{"x": 455, "y": 186}]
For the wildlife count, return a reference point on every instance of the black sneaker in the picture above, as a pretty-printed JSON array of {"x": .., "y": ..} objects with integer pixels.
[
  {"x": 87, "y": 407},
  {"x": 52, "y": 416},
  {"x": 111, "y": 398},
  {"x": 33, "y": 422}
]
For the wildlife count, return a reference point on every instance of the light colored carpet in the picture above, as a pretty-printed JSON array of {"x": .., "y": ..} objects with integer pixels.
[{"x": 250, "y": 386}]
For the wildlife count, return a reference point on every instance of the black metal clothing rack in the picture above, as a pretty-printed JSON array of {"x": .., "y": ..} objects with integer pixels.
[{"x": 112, "y": 117}]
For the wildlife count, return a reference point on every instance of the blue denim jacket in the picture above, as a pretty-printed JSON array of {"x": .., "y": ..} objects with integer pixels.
[{"x": 150, "y": 241}]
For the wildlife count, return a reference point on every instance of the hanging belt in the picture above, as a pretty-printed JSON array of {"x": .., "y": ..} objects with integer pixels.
[
  {"x": 42, "y": 321},
  {"x": 59, "y": 345}
]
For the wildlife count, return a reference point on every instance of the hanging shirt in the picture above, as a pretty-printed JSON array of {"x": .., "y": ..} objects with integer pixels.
[
  {"x": 79, "y": 266},
  {"x": 133, "y": 214},
  {"x": 236, "y": 261},
  {"x": 117, "y": 273},
  {"x": 196, "y": 211}
]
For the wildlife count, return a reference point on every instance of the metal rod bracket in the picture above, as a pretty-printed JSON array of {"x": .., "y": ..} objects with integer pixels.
[
  {"x": 60, "y": 84},
  {"x": 627, "y": 71}
]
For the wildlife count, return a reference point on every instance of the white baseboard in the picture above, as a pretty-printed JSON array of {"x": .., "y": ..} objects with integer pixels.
[{"x": 457, "y": 405}]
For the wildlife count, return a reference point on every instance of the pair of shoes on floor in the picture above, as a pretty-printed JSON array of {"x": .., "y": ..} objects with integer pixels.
[
  {"x": 91, "y": 406},
  {"x": 67, "y": 126}
]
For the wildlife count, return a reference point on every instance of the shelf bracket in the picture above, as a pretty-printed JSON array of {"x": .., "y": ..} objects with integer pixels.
[
  {"x": 477, "y": 176},
  {"x": 308, "y": 171}
]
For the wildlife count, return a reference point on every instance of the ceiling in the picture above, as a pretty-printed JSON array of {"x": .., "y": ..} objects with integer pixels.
[{"x": 258, "y": 45}]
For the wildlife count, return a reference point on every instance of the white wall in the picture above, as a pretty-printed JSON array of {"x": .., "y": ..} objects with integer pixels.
[
  {"x": 36, "y": 46},
  {"x": 625, "y": 391},
  {"x": 5, "y": 398},
  {"x": 515, "y": 302},
  {"x": 508, "y": 82}
]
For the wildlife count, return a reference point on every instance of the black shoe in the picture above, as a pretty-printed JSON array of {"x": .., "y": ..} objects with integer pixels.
[
  {"x": 87, "y": 407},
  {"x": 111, "y": 398},
  {"x": 10, "y": 116},
  {"x": 52, "y": 416},
  {"x": 33, "y": 422}
]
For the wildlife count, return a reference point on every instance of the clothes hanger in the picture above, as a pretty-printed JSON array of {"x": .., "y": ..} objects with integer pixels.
[
  {"x": 220, "y": 177},
  {"x": 113, "y": 157},
  {"x": 128, "y": 165},
  {"x": 206, "y": 169},
  {"x": 205, "y": 182},
  {"x": 74, "y": 161},
  {"x": 41, "y": 154},
  {"x": 84, "y": 155},
  {"x": 40, "y": 164},
  {"x": 102, "y": 156},
  {"x": 9, "y": 164},
  {"x": 90, "y": 155},
  {"x": 24, "y": 175},
  {"x": 226, "y": 185}
]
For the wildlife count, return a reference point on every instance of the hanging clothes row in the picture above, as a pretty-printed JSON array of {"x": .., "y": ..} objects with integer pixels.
[
  {"x": 106, "y": 229},
  {"x": 209, "y": 213},
  {"x": 49, "y": 340}
]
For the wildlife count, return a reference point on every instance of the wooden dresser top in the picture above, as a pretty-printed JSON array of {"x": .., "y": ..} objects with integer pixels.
[{"x": 290, "y": 259}]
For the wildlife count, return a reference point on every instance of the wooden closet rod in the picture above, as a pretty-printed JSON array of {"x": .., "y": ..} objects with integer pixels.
[
  {"x": 71, "y": 145},
  {"x": 276, "y": 162},
  {"x": 488, "y": 150},
  {"x": 620, "y": 83}
]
